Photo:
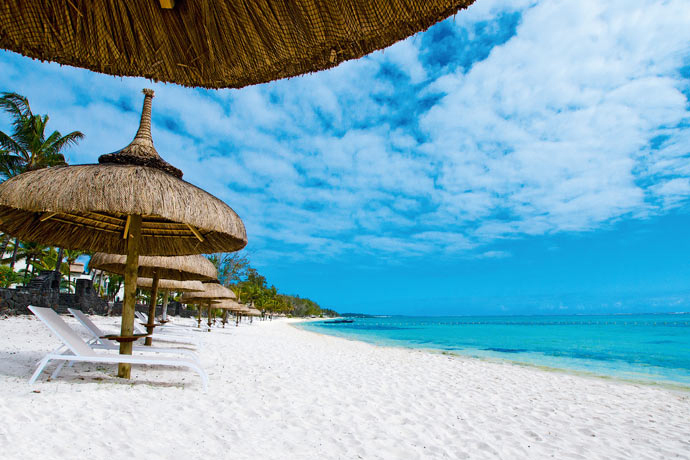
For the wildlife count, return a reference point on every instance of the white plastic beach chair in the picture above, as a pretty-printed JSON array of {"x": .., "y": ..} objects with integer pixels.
[
  {"x": 144, "y": 318},
  {"x": 170, "y": 336},
  {"x": 98, "y": 342},
  {"x": 82, "y": 352}
]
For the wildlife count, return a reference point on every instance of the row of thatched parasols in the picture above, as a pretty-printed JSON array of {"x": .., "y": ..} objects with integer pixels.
[{"x": 133, "y": 203}]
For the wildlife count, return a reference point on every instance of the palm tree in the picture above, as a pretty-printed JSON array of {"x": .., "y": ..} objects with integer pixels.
[{"x": 28, "y": 148}]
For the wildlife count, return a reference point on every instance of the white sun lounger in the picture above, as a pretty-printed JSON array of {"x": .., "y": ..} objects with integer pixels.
[
  {"x": 81, "y": 352},
  {"x": 166, "y": 333},
  {"x": 169, "y": 336},
  {"x": 98, "y": 342},
  {"x": 144, "y": 318}
]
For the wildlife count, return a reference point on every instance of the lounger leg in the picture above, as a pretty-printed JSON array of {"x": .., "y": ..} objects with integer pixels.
[
  {"x": 39, "y": 369},
  {"x": 57, "y": 370}
]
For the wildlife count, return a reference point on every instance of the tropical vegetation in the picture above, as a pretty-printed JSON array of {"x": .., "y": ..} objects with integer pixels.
[
  {"x": 29, "y": 147},
  {"x": 235, "y": 271}
]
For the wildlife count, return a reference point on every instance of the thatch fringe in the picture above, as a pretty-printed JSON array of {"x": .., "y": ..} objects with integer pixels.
[
  {"x": 231, "y": 305},
  {"x": 171, "y": 285},
  {"x": 180, "y": 268},
  {"x": 212, "y": 291},
  {"x": 86, "y": 207},
  {"x": 213, "y": 44}
]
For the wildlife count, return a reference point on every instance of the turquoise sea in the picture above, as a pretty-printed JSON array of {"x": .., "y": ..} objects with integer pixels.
[{"x": 652, "y": 348}]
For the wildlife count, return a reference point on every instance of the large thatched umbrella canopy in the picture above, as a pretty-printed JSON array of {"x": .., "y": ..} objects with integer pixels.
[
  {"x": 213, "y": 44},
  {"x": 132, "y": 202},
  {"x": 213, "y": 292},
  {"x": 171, "y": 285},
  {"x": 181, "y": 268},
  {"x": 87, "y": 207}
]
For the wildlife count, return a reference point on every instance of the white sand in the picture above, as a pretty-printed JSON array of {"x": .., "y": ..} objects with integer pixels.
[{"x": 279, "y": 392}]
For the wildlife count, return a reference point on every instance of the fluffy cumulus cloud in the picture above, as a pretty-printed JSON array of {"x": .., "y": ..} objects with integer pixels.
[{"x": 511, "y": 119}]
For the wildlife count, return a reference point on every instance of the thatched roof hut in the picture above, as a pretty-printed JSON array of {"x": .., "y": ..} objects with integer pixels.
[
  {"x": 213, "y": 44},
  {"x": 87, "y": 207},
  {"x": 230, "y": 304},
  {"x": 180, "y": 268},
  {"x": 212, "y": 291},
  {"x": 132, "y": 202},
  {"x": 171, "y": 285}
]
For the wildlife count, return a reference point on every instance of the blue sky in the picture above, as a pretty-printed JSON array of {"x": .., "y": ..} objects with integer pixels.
[{"x": 521, "y": 157}]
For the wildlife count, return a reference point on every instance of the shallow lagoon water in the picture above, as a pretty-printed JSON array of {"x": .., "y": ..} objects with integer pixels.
[{"x": 652, "y": 348}]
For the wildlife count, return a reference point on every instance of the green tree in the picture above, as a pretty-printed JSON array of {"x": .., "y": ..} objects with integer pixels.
[
  {"x": 28, "y": 147},
  {"x": 231, "y": 266},
  {"x": 8, "y": 276}
]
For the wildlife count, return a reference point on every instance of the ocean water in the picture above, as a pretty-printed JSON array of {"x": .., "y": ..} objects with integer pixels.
[{"x": 651, "y": 348}]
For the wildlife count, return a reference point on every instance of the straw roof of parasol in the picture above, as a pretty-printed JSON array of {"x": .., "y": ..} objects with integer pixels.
[
  {"x": 212, "y": 291},
  {"x": 172, "y": 285},
  {"x": 87, "y": 207},
  {"x": 213, "y": 44},
  {"x": 229, "y": 304},
  {"x": 181, "y": 268}
]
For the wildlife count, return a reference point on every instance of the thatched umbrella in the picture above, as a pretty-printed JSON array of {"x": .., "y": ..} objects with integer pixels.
[
  {"x": 171, "y": 285},
  {"x": 180, "y": 268},
  {"x": 229, "y": 305},
  {"x": 212, "y": 292},
  {"x": 166, "y": 286},
  {"x": 132, "y": 202},
  {"x": 213, "y": 44}
]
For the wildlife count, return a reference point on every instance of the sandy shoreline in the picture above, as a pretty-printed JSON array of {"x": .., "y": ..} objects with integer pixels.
[
  {"x": 277, "y": 391},
  {"x": 544, "y": 368}
]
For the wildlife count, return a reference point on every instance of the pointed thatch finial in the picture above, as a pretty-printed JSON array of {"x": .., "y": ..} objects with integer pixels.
[
  {"x": 141, "y": 150},
  {"x": 144, "y": 132}
]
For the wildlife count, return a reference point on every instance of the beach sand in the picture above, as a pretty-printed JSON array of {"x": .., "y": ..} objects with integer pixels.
[{"x": 277, "y": 392}]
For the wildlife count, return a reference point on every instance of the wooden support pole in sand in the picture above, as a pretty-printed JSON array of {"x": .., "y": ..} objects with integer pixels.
[
  {"x": 237, "y": 319},
  {"x": 209, "y": 314},
  {"x": 152, "y": 308},
  {"x": 131, "y": 268},
  {"x": 225, "y": 317},
  {"x": 198, "y": 315}
]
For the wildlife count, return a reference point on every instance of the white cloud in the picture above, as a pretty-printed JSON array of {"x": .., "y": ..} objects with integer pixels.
[{"x": 577, "y": 120}]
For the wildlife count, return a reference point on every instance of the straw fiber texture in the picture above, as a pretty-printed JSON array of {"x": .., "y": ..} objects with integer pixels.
[
  {"x": 213, "y": 44},
  {"x": 85, "y": 207},
  {"x": 230, "y": 305},
  {"x": 171, "y": 285},
  {"x": 212, "y": 291},
  {"x": 180, "y": 268},
  {"x": 141, "y": 150}
]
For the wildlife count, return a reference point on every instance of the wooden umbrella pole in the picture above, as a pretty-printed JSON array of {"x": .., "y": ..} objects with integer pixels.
[
  {"x": 225, "y": 317},
  {"x": 208, "y": 313},
  {"x": 237, "y": 319},
  {"x": 164, "y": 312},
  {"x": 132, "y": 267},
  {"x": 152, "y": 308},
  {"x": 198, "y": 315}
]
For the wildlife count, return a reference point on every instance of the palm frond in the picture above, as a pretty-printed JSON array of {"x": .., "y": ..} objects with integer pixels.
[{"x": 56, "y": 142}]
